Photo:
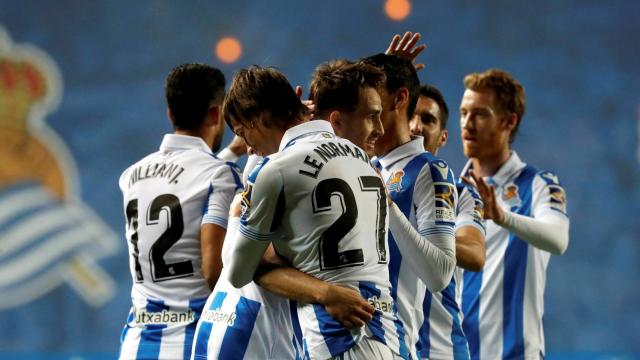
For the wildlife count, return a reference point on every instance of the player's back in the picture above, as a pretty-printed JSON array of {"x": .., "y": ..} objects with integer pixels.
[
  {"x": 332, "y": 213},
  {"x": 166, "y": 195}
]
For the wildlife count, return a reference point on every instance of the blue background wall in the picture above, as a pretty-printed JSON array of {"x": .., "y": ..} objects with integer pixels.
[{"x": 578, "y": 60}]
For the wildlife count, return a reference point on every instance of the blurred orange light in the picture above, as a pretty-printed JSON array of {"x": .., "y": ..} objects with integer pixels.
[
  {"x": 228, "y": 49},
  {"x": 397, "y": 9}
]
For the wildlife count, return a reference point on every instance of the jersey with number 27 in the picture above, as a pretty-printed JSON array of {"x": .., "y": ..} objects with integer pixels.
[
  {"x": 167, "y": 196},
  {"x": 324, "y": 208}
]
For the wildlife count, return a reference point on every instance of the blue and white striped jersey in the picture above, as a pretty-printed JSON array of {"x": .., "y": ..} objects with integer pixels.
[
  {"x": 246, "y": 323},
  {"x": 322, "y": 195},
  {"x": 503, "y": 304},
  {"x": 470, "y": 211},
  {"x": 423, "y": 188},
  {"x": 449, "y": 342},
  {"x": 167, "y": 196}
]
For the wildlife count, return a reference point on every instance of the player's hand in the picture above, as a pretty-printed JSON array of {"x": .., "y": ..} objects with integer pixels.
[
  {"x": 492, "y": 209},
  {"x": 308, "y": 103},
  {"x": 238, "y": 146},
  {"x": 347, "y": 306},
  {"x": 404, "y": 47},
  {"x": 236, "y": 206}
]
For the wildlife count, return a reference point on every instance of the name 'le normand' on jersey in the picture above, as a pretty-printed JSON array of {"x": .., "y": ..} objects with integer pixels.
[{"x": 329, "y": 151}]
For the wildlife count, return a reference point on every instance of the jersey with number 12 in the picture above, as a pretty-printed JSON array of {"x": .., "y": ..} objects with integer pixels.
[{"x": 167, "y": 196}]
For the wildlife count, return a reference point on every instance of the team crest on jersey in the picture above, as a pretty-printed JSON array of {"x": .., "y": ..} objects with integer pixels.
[
  {"x": 48, "y": 235},
  {"x": 395, "y": 181},
  {"x": 558, "y": 199},
  {"x": 445, "y": 201},
  {"x": 510, "y": 195},
  {"x": 246, "y": 202}
]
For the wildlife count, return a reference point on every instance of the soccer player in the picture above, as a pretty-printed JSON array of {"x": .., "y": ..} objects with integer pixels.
[
  {"x": 430, "y": 122},
  {"x": 527, "y": 222},
  {"x": 319, "y": 201},
  {"x": 422, "y": 215},
  {"x": 347, "y": 94},
  {"x": 176, "y": 202}
]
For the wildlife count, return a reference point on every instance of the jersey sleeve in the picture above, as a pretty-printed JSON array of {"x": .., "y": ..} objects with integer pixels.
[
  {"x": 224, "y": 184},
  {"x": 262, "y": 202},
  {"x": 435, "y": 199},
  {"x": 470, "y": 208},
  {"x": 548, "y": 195}
]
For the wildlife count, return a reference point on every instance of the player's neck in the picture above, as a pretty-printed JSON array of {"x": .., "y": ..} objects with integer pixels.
[
  {"x": 489, "y": 165},
  {"x": 196, "y": 133},
  {"x": 394, "y": 136}
]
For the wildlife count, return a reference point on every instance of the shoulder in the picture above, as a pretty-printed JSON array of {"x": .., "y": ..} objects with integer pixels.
[
  {"x": 266, "y": 168},
  {"x": 466, "y": 190},
  {"x": 549, "y": 177},
  {"x": 434, "y": 168}
]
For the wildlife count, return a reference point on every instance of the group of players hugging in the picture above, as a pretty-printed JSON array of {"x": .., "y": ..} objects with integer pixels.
[{"x": 346, "y": 237}]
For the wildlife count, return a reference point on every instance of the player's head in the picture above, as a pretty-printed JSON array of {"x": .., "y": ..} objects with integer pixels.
[
  {"x": 399, "y": 94},
  {"x": 430, "y": 118},
  {"x": 260, "y": 106},
  {"x": 194, "y": 95},
  {"x": 346, "y": 95},
  {"x": 490, "y": 112}
]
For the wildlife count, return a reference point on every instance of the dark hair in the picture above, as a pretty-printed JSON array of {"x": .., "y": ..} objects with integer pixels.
[
  {"x": 400, "y": 73},
  {"x": 433, "y": 93},
  {"x": 336, "y": 85},
  {"x": 262, "y": 90},
  {"x": 190, "y": 89},
  {"x": 510, "y": 96}
]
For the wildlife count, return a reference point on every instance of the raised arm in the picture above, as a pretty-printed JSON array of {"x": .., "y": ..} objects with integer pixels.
[
  {"x": 547, "y": 230},
  {"x": 234, "y": 151},
  {"x": 405, "y": 47}
]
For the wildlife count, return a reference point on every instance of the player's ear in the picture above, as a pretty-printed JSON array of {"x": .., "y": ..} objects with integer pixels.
[
  {"x": 213, "y": 115},
  {"x": 401, "y": 98},
  {"x": 444, "y": 136},
  {"x": 169, "y": 115},
  {"x": 335, "y": 120},
  {"x": 511, "y": 121}
]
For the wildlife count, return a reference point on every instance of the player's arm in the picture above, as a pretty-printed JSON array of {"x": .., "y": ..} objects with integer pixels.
[
  {"x": 548, "y": 230},
  {"x": 211, "y": 240},
  {"x": 345, "y": 305},
  {"x": 470, "y": 249},
  {"x": 470, "y": 230},
  {"x": 234, "y": 151},
  {"x": 258, "y": 224},
  {"x": 430, "y": 251},
  {"x": 224, "y": 185}
]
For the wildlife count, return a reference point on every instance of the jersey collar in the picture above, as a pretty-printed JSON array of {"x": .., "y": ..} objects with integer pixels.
[
  {"x": 505, "y": 173},
  {"x": 303, "y": 130},
  {"x": 183, "y": 142},
  {"x": 413, "y": 147}
]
